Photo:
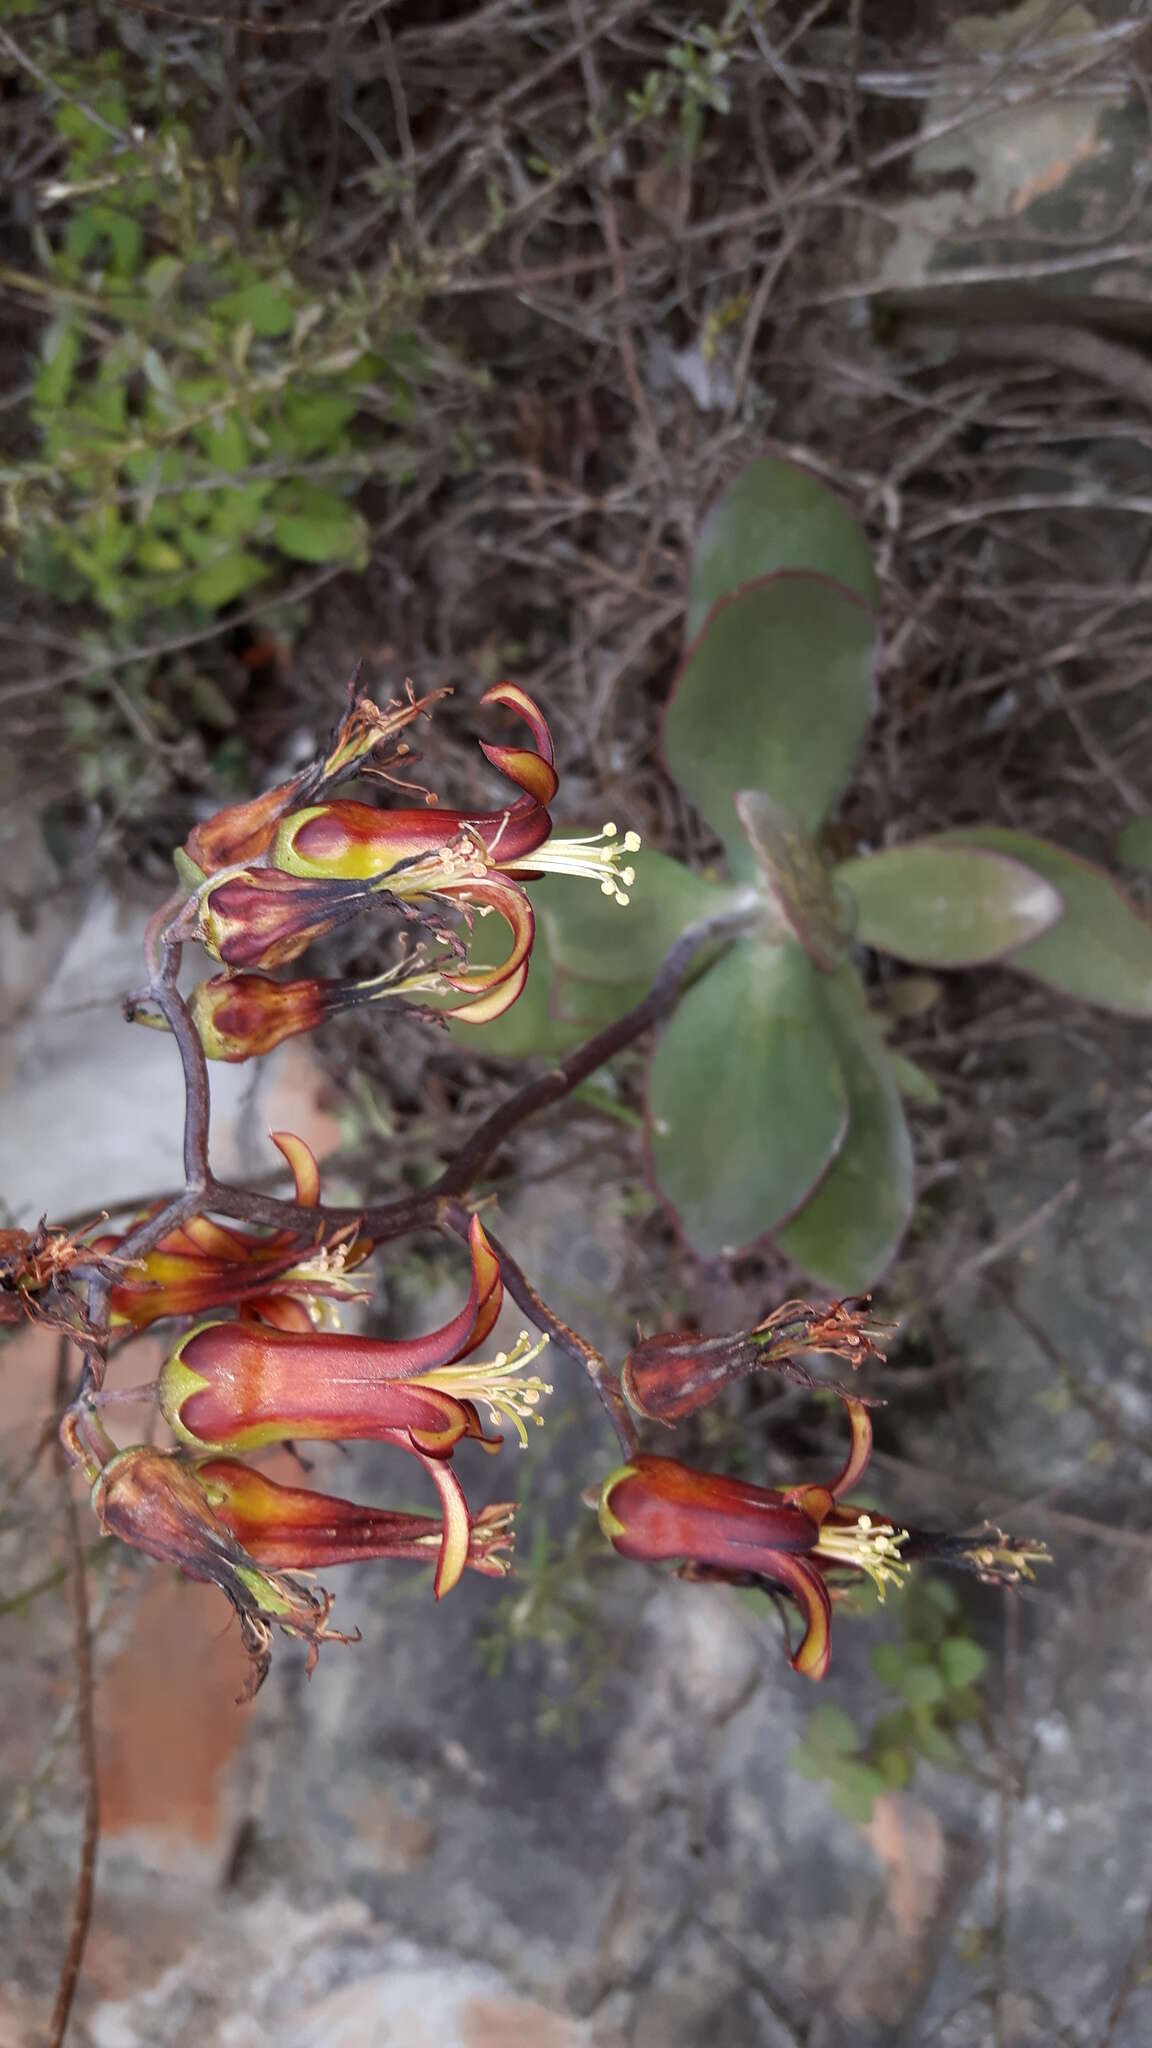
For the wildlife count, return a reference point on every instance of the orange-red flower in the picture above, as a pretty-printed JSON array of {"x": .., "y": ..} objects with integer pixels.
[
  {"x": 293, "y": 1528},
  {"x": 473, "y": 859},
  {"x": 281, "y": 1276},
  {"x": 656, "y": 1509},
  {"x": 238, "y": 1386}
]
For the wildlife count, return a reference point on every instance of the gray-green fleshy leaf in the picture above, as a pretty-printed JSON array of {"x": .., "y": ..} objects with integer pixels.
[
  {"x": 912, "y": 1081},
  {"x": 598, "y": 939},
  {"x": 746, "y": 1102},
  {"x": 850, "y": 1229},
  {"x": 1101, "y": 949},
  {"x": 773, "y": 516},
  {"x": 801, "y": 888},
  {"x": 1133, "y": 844},
  {"x": 948, "y": 906},
  {"x": 774, "y": 694}
]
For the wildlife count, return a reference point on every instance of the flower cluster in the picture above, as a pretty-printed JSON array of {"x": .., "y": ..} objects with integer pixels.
[
  {"x": 274, "y": 1373},
  {"x": 270, "y": 877},
  {"x": 260, "y": 1360},
  {"x": 804, "y": 1542}
]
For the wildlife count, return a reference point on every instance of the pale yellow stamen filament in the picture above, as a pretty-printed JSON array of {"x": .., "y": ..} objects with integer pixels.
[
  {"x": 598, "y": 858},
  {"x": 868, "y": 1549},
  {"x": 497, "y": 1382}
]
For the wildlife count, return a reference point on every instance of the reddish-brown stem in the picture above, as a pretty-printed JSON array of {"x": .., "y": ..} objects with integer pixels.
[
  {"x": 86, "y": 1729},
  {"x": 605, "y": 1381}
]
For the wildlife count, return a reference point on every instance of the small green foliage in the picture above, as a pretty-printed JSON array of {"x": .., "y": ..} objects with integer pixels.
[
  {"x": 693, "y": 83},
  {"x": 205, "y": 415},
  {"x": 935, "y": 1669}
]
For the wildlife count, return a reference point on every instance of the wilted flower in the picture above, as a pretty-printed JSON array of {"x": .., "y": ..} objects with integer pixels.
[
  {"x": 469, "y": 858},
  {"x": 201, "y": 1264},
  {"x": 154, "y": 1501},
  {"x": 237, "y": 1386},
  {"x": 715, "y": 1527},
  {"x": 242, "y": 832},
  {"x": 670, "y": 1375},
  {"x": 292, "y": 1528},
  {"x": 34, "y": 1270}
]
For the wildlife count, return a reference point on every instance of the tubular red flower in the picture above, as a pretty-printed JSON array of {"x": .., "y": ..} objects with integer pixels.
[
  {"x": 201, "y": 1264},
  {"x": 356, "y": 841},
  {"x": 658, "y": 1510},
  {"x": 234, "y": 1386},
  {"x": 292, "y": 1527},
  {"x": 153, "y": 1501},
  {"x": 242, "y": 832}
]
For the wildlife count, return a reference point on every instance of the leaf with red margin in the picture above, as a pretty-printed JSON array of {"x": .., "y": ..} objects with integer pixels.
[
  {"x": 851, "y": 1228},
  {"x": 775, "y": 694},
  {"x": 1101, "y": 949},
  {"x": 747, "y": 1105},
  {"x": 775, "y": 515},
  {"x": 948, "y": 906}
]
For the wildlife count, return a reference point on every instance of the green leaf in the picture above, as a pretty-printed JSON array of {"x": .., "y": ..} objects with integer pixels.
[
  {"x": 961, "y": 1660},
  {"x": 591, "y": 936},
  {"x": 775, "y": 695},
  {"x": 947, "y": 906},
  {"x": 894, "y": 1766},
  {"x": 807, "y": 1764},
  {"x": 1133, "y": 844},
  {"x": 888, "y": 1662},
  {"x": 773, "y": 516},
  {"x": 849, "y": 1230},
  {"x": 1101, "y": 950},
  {"x": 316, "y": 420},
  {"x": 914, "y": 1083},
  {"x": 58, "y": 359},
  {"x": 855, "y": 1790},
  {"x": 158, "y": 556},
  {"x": 922, "y": 1685},
  {"x": 795, "y": 878},
  {"x": 746, "y": 1100},
  {"x": 317, "y": 527},
  {"x": 225, "y": 578},
  {"x": 937, "y": 1745},
  {"x": 224, "y": 442},
  {"x": 268, "y": 311},
  {"x": 832, "y": 1732}
]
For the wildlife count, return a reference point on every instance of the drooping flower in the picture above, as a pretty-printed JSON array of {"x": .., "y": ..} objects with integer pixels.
[
  {"x": 242, "y": 832},
  {"x": 238, "y": 1386},
  {"x": 672, "y": 1374},
  {"x": 258, "y": 917},
  {"x": 153, "y": 1501},
  {"x": 713, "y": 1526},
  {"x": 293, "y": 1528},
  {"x": 200, "y": 1265},
  {"x": 475, "y": 859}
]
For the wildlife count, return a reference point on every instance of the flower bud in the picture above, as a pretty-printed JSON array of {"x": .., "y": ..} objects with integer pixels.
[{"x": 260, "y": 918}]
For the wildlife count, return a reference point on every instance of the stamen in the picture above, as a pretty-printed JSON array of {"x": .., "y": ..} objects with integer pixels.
[
  {"x": 498, "y": 1383},
  {"x": 867, "y": 1548},
  {"x": 598, "y": 858}
]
